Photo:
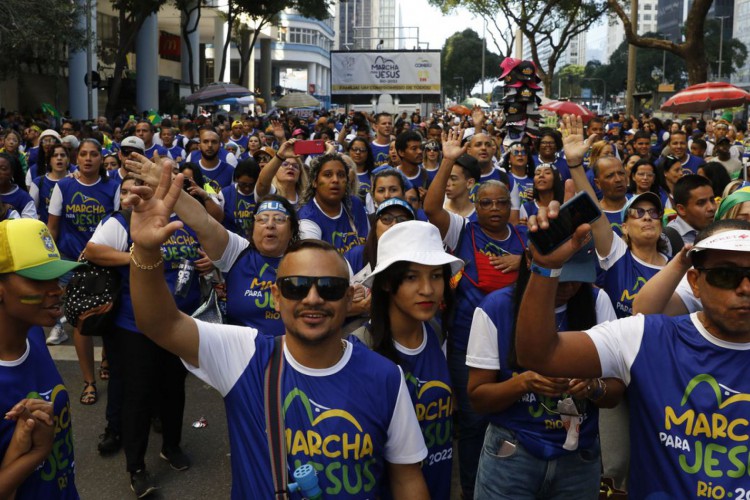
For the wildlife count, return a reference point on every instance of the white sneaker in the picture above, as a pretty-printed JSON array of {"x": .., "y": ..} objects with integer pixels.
[{"x": 57, "y": 335}]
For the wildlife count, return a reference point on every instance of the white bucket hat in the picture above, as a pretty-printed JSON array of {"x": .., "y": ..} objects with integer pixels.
[
  {"x": 412, "y": 241},
  {"x": 737, "y": 240}
]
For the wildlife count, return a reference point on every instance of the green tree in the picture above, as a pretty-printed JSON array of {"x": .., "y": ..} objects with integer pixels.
[
  {"x": 460, "y": 57},
  {"x": 568, "y": 81},
  {"x": 553, "y": 23},
  {"x": 733, "y": 52},
  {"x": 692, "y": 50},
  {"x": 262, "y": 14},
  {"x": 131, "y": 15},
  {"x": 37, "y": 32}
]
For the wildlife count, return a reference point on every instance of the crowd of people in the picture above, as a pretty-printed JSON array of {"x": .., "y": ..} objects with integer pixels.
[{"x": 388, "y": 283}]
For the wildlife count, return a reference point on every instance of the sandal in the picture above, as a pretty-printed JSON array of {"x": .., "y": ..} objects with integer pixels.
[
  {"x": 89, "y": 396},
  {"x": 104, "y": 369}
]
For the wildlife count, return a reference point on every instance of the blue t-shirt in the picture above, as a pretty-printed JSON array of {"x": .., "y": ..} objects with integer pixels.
[
  {"x": 17, "y": 198},
  {"x": 428, "y": 381},
  {"x": 196, "y": 156},
  {"x": 45, "y": 185},
  {"x": 365, "y": 184},
  {"x": 615, "y": 221},
  {"x": 380, "y": 153},
  {"x": 560, "y": 163},
  {"x": 537, "y": 429},
  {"x": 219, "y": 177},
  {"x": 36, "y": 376},
  {"x": 241, "y": 142},
  {"x": 469, "y": 296},
  {"x": 344, "y": 232},
  {"x": 337, "y": 422},
  {"x": 524, "y": 186},
  {"x": 249, "y": 299},
  {"x": 155, "y": 148},
  {"x": 182, "y": 244},
  {"x": 688, "y": 393},
  {"x": 624, "y": 278},
  {"x": 238, "y": 210},
  {"x": 83, "y": 208},
  {"x": 356, "y": 258},
  {"x": 176, "y": 151}
]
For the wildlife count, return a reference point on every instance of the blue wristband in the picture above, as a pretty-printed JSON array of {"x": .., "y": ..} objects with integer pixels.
[{"x": 543, "y": 271}]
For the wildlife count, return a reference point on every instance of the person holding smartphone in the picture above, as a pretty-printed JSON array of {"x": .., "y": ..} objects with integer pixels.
[{"x": 527, "y": 447}]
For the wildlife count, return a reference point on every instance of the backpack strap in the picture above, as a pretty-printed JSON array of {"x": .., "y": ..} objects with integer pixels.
[
  {"x": 675, "y": 240},
  {"x": 275, "y": 420}
]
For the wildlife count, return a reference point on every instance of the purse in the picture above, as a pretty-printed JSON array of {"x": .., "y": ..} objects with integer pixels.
[
  {"x": 209, "y": 311},
  {"x": 91, "y": 298}
]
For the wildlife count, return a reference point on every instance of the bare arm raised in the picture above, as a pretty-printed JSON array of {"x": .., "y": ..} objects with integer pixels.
[{"x": 433, "y": 202}]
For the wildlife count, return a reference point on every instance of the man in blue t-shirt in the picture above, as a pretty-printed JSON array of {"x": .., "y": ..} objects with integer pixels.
[
  {"x": 346, "y": 410},
  {"x": 687, "y": 386}
]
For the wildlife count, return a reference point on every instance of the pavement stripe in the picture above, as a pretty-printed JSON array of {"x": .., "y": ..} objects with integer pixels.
[{"x": 68, "y": 353}]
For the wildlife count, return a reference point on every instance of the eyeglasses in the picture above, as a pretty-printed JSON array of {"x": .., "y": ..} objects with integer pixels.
[
  {"x": 486, "y": 203},
  {"x": 389, "y": 219},
  {"x": 518, "y": 152},
  {"x": 290, "y": 164},
  {"x": 246, "y": 186},
  {"x": 265, "y": 219},
  {"x": 358, "y": 150},
  {"x": 127, "y": 151},
  {"x": 639, "y": 213},
  {"x": 330, "y": 288},
  {"x": 49, "y": 140},
  {"x": 727, "y": 278}
]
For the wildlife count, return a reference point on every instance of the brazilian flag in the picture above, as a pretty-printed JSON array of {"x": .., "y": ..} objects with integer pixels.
[
  {"x": 49, "y": 109},
  {"x": 154, "y": 117}
]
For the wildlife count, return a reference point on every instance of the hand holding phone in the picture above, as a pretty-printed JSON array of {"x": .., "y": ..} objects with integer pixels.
[
  {"x": 578, "y": 210},
  {"x": 314, "y": 147}
]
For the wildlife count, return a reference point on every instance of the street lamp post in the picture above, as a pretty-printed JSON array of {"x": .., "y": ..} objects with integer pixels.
[
  {"x": 462, "y": 85},
  {"x": 721, "y": 41}
]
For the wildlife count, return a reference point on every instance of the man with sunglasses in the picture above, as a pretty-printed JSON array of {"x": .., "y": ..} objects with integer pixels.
[
  {"x": 687, "y": 386},
  {"x": 346, "y": 410}
]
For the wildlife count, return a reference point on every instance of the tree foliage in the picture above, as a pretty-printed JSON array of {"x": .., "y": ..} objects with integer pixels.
[
  {"x": 460, "y": 58},
  {"x": 131, "y": 15},
  {"x": 650, "y": 61},
  {"x": 34, "y": 32},
  {"x": 247, "y": 18},
  {"x": 551, "y": 22},
  {"x": 692, "y": 50}
]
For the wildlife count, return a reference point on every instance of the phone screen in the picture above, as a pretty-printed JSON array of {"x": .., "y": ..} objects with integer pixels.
[{"x": 578, "y": 210}]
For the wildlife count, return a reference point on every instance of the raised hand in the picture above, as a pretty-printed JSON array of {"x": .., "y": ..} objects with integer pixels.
[
  {"x": 574, "y": 144},
  {"x": 286, "y": 150},
  {"x": 144, "y": 169},
  {"x": 478, "y": 117},
  {"x": 149, "y": 224},
  {"x": 452, "y": 148}
]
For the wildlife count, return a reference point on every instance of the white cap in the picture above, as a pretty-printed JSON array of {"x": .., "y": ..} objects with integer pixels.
[
  {"x": 133, "y": 142},
  {"x": 412, "y": 241},
  {"x": 737, "y": 240}
]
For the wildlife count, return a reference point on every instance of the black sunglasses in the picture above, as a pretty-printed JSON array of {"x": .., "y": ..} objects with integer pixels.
[
  {"x": 640, "y": 213},
  {"x": 727, "y": 278},
  {"x": 330, "y": 288}
]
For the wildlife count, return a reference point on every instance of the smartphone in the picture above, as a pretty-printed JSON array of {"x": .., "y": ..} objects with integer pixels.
[
  {"x": 580, "y": 209},
  {"x": 314, "y": 147}
]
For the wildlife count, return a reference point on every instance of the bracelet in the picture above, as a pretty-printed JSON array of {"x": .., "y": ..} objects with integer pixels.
[
  {"x": 543, "y": 271},
  {"x": 575, "y": 166},
  {"x": 599, "y": 392},
  {"x": 141, "y": 266}
]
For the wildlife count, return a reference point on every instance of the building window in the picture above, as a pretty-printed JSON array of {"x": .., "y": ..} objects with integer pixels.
[{"x": 647, "y": 17}]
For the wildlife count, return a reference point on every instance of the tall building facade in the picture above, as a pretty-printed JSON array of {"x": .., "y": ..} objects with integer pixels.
[
  {"x": 362, "y": 24},
  {"x": 647, "y": 23}
]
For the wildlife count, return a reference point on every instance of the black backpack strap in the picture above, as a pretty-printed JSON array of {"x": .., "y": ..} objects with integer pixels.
[
  {"x": 675, "y": 240},
  {"x": 275, "y": 420}
]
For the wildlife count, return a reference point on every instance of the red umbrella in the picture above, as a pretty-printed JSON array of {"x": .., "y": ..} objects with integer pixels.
[
  {"x": 568, "y": 108},
  {"x": 705, "y": 97}
]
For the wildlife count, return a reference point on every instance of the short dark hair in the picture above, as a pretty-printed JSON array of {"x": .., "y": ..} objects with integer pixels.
[
  {"x": 380, "y": 115},
  {"x": 150, "y": 125},
  {"x": 312, "y": 244},
  {"x": 678, "y": 132},
  {"x": 700, "y": 143},
  {"x": 404, "y": 138},
  {"x": 470, "y": 166},
  {"x": 685, "y": 185},
  {"x": 248, "y": 167},
  {"x": 641, "y": 134}
]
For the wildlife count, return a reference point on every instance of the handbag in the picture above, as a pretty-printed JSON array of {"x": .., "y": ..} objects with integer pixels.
[
  {"x": 91, "y": 298},
  {"x": 209, "y": 311}
]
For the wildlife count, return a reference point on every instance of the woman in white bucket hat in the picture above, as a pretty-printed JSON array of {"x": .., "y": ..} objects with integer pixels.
[{"x": 410, "y": 286}]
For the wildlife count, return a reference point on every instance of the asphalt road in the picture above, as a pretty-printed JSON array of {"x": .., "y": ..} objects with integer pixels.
[{"x": 100, "y": 477}]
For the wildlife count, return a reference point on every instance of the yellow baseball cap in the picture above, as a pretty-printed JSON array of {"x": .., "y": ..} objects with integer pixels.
[
  {"x": 27, "y": 249},
  {"x": 235, "y": 123}
]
